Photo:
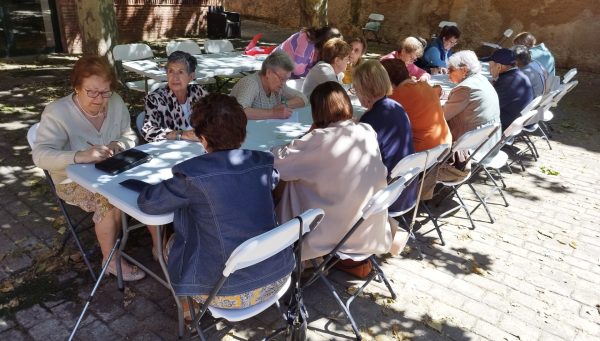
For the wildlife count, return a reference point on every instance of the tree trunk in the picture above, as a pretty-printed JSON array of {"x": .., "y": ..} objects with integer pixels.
[
  {"x": 98, "y": 26},
  {"x": 313, "y": 13}
]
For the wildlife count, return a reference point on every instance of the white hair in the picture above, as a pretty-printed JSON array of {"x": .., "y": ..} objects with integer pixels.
[{"x": 465, "y": 58}]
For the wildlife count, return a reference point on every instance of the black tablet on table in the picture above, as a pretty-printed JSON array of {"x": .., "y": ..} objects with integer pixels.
[{"x": 123, "y": 161}]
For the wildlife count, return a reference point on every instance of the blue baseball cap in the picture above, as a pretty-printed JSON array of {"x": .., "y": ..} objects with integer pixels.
[{"x": 503, "y": 56}]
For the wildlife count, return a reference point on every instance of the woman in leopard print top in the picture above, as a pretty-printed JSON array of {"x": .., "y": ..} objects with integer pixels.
[{"x": 168, "y": 108}]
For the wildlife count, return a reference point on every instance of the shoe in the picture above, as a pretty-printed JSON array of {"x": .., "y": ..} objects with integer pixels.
[{"x": 134, "y": 275}]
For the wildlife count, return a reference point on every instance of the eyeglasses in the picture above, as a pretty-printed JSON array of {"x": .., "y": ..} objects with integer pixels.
[
  {"x": 282, "y": 79},
  {"x": 94, "y": 93},
  {"x": 452, "y": 42}
]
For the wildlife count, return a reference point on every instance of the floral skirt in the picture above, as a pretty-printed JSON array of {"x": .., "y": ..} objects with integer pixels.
[
  {"x": 241, "y": 301},
  {"x": 76, "y": 195}
]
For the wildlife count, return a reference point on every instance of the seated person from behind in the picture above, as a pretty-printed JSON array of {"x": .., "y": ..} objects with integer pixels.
[
  {"x": 358, "y": 47},
  {"x": 264, "y": 94},
  {"x": 336, "y": 166},
  {"x": 472, "y": 103},
  {"x": 304, "y": 47},
  {"x": 512, "y": 85},
  {"x": 389, "y": 120},
  {"x": 410, "y": 50},
  {"x": 335, "y": 56},
  {"x": 220, "y": 200},
  {"x": 93, "y": 113},
  {"x": 440, "y": 49},
  {"x": 531, "y": 68},
  {"x": 168, "y": 108},
  {"x": 538, "y": 52}
]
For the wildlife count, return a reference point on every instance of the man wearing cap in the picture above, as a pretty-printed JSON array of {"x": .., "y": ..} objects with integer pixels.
[{"x": 512, "y": 85}]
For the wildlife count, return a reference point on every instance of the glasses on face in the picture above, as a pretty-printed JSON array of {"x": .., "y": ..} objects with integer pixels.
[
  {"x": 94, "y": 93},
  {"x": 282, "y": 79},
  {"x": 452, "y": 42}
]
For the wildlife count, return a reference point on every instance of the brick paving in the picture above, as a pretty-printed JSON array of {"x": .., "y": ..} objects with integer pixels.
[{"x": 532, "y": 275}]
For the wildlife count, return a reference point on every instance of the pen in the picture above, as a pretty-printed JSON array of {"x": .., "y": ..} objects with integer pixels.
[
  {"x": 88, "y": 142},
  {"x": 284, "y": 101}
]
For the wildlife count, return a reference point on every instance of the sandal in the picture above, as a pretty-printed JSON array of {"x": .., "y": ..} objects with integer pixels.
[{"x": 134, "y": 275}]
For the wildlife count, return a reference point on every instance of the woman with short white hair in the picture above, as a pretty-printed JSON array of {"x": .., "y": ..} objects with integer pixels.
[{"x": 471, "y": 104}]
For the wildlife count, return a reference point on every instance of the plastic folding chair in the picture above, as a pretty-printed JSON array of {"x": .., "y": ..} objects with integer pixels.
[
  {"x": 73, "y": 226},
  {"x": 535, "y": 122},
  {"x": 517, "y": 154},
  {"x": 378, "y": 203},
  {"x": 420, "y": 162},
  {"x": 251, "y": 252},
  {"x": 496, "y": 159},
  {"x": 218, "y": 46},
  {"x": 128, "y": 52},
  {"x": 569, "y": 75},
  {"x": 373, "y": 26},
  {"x": 188, "y": 46},
  {"x": 498, "y": 44},
  {"x": 471, "y": 141},
  {"x": 548, "y": 114}
]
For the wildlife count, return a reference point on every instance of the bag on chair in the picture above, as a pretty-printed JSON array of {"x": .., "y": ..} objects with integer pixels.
[{"x": 360, "y": 269}]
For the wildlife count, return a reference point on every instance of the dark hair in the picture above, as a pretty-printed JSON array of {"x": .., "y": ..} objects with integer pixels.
[
  {"x": 221, "y": 120},
  {"x": 330, "y": 103},
  {"x": 522, "y": 55},
  {"x": 361, "y": 40},
  {"x": 92, "y": 65},
  {"x": 319, "y": 36},
  {"x": 525, "y": 38},
  {"x": 335, "y": 47},
  {"x": 183, "y": 57},
  {"x": 396, "y": 69},
  {"x": 449, "y": 31}
]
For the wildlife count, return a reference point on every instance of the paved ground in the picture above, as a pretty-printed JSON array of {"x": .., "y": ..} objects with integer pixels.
[{"x": 532, "y": 275}]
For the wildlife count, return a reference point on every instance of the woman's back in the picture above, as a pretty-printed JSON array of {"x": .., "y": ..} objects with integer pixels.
[{"x": 337, "y": 168}]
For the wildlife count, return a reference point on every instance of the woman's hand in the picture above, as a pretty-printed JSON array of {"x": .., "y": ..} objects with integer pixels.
[
  {"x": 281, "y": 111},
  {"x": 94, "y": 154},
  {"x": 425, "y": 77},
  {"x": 115, "y": 147}
]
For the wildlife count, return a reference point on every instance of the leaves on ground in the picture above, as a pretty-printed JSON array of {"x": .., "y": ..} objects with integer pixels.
[
  {"x": 548, "y": 171},
  {"x": 546, "y": 234},
  {"x": 128, "y": 296}
]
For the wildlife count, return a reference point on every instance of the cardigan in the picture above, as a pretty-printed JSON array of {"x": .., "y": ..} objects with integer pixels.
[{"x": 64, "y": 130}]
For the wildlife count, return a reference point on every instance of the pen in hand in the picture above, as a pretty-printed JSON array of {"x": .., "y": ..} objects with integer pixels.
[
  {"x": 284, "y": 101},
  {"x": 88, "y": 142}
]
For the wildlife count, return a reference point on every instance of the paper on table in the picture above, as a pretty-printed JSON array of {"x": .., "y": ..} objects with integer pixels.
[{"x": 294, "y": 118}]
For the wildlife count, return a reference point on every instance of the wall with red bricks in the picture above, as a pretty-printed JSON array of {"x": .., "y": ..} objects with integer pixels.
[{"x": 140, "y": 20}]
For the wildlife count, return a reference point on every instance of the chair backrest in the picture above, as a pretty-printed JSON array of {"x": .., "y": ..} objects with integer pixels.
[
  {"x": 564, "y": 89},
  {"x": 569, "y": 75},
  {"x": 532, "y": 105},
  {"x": 139, "y": 121},
  {"x": 417, "y": 160},
  {"x": 516, "y": 126},
  {"x": 188, "y": 46},
  {"x": 446, "y": 23},
  {"x": 376, "y": 17},
  {"x": 508, "y": 33},
  {"x": 295, "y": 84},
  {"x": 388, "y": 195},
  {"x": 32, "y": 134},
  {"x": 132, "y": 52},
  {"x": 472, "y": 140},
  {"x": 552, "y": 83},
  {"x": 263, "y": 246},
  {"x": 218, "y": 46}
]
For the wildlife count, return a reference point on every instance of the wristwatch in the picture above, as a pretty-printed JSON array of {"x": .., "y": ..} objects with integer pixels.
[{"x": 178, "y": 135}]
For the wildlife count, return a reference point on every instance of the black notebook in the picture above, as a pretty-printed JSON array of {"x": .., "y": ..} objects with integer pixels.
[
  {"x": 134, "y": 184},
  {"x": 123, "y": 161}
]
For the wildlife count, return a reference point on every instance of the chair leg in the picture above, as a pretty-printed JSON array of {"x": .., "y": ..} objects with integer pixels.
[
  {"x": 341, "y": 305},
  {"x": 436, "y": 226},
  {"x": 482, "y": 201},
  {"x": 545, "y": 137},
  {"x": 411, "y": 236},
  {"x": 381, "y": 274},
  {"x": 462, "y": 203}
]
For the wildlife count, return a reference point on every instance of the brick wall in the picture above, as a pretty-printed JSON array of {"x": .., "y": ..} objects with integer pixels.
[{"x": 140, "y": 20}]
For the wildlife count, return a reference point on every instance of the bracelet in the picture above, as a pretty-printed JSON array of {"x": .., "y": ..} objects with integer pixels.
[{"x": 178, "y": 135}]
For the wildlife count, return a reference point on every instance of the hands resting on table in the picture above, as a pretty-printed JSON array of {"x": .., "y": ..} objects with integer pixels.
[{"x": 97, "y": 152}]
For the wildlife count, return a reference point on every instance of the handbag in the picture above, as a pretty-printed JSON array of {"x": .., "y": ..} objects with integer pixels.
[{"x": 360, "y": 269}]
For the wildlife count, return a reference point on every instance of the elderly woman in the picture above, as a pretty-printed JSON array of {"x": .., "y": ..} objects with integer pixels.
[
  {"x": 335, "y": 56},
  {"x": 87, "y": 126},
  {"x": 304, "y": 47},
  {"x": 388, "y": 119},
  {"x": 168, "y": 109},
  {"x": 220, "y": 199},
  {"x": 440, "y": 49},
  {"x": 358, "y": 47},
  {"x": 471, "y": 104},
  {"x": 264, "y": 94},
  {"x": 410, "y": 50},
  {"x": 337, "y": 167}
]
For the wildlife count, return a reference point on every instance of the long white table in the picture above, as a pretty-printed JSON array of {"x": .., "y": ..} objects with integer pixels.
[{"x": 209, "y": 65}]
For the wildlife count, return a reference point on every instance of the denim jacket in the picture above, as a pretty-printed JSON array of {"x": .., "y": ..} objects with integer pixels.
[{"x": 220, "y": 200}]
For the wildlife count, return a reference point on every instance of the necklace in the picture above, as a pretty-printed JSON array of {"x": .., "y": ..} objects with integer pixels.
[{"x": 85, "y": 112}]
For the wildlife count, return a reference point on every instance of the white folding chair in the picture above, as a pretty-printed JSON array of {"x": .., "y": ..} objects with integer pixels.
[
  {"x": 295, "y": 84},
  {"x": 420, "y": 162},
  {"x": 498, "y": 45},
  {"x": 72, "y": 225},
  {"x": 188, "y": 46},
  {"x": 373, "y": 25},
  {"x": 446, "y": 23},
  {"x": 251, "y": 252},
  {"x": 471, "y": 141},
  {"x": 535, "y": 122},
  {"x": 218, "y": 46},
  {"x": 569, "y": 75},
  {"x": 127, "y": 52},
  {"x": 378, "y": 203}
]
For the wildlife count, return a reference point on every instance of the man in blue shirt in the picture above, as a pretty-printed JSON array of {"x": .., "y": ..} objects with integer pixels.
[
  {"x": 531, "y": 68},
  {"x": 512, "y": 85},
  {"x": 538, "y": 52}
]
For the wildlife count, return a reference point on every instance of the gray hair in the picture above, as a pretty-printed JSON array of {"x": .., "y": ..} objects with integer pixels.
[
  {"x": 465, "y": 58},
  {"x": 275, "y": 60},
  {"x": 185, "y": 58}
]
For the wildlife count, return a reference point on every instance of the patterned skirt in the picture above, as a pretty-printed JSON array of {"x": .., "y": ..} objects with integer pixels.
[
  {"x": 76, "y": 195},
  {"x": 241, "y": 301}
]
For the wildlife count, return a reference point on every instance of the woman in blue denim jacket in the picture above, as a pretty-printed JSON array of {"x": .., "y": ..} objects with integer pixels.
[{"x": 220, "y": 200}]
